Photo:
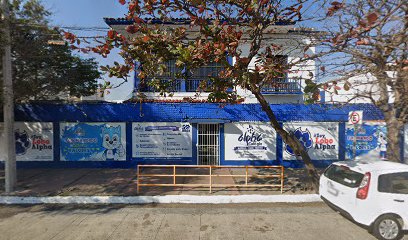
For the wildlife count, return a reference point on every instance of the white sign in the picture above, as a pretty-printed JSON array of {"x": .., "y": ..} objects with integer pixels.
[
  {"x": 355, "y": 117},
  {"x": 249, "y": 141},
  {"x": 320, "y": 139},
  {"x": 34, "y": 141},
  {"x": 162, "y": 140}
]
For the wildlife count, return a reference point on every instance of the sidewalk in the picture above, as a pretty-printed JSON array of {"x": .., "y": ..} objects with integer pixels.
[{"x": 123, "y": 182}]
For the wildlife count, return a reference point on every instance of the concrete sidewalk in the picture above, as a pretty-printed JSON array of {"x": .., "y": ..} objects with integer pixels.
[
  {"x": 123, "y": 182},
  {"x": 178, "y": 221}
]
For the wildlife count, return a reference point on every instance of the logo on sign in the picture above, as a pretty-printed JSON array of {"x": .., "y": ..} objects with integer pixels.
[
  {"x": 250, "y": 136},
  {"x": 304, "y": 137},
  {"x": 138, "y": 128},
  {"x": 185, "y": 128},
  {"x": 23, "y": 142}
]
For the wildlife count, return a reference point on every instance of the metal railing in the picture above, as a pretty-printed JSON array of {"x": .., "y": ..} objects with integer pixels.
[
  {"x": 191, "y": 84},
  {"x": 283, "y": 86},
  {"x": 169, "y": 85},
  {"x": 210, "y": 174}
]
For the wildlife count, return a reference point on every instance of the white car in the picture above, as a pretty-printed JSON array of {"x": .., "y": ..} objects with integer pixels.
[{"x": 372, "y": 193}]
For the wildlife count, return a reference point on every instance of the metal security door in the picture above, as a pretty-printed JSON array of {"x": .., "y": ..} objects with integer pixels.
[{"x": 208, "y": 144}]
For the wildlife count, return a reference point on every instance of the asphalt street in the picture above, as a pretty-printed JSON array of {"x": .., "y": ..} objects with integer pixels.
[{"x": 177, "y": 221}]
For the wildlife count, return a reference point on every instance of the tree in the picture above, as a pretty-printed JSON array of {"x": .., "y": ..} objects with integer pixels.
[
  {"x": 223, "y": 26},
  {"x": 42, "y": 70},
  {"x": 372, "y": 39}
]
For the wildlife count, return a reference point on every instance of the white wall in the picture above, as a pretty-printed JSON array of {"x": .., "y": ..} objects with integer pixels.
[
  {"x": 362, "y": 87},
  {"x": 292, "y": 45}
]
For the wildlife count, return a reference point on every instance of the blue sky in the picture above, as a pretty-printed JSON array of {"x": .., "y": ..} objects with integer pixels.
[{"x": 89, "y": 14}]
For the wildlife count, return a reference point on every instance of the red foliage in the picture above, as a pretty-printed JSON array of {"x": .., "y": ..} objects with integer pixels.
[
  {"x": 201, "y": 9},
  {"x": 111, "y": 34},
  {"x": 363, "y": 41},
  {"x": 145, "y": 38},
  {"x": 132, "y": 29},
  {"x": 334, "y": 8},
  {"x": 70, "y": 37},
  {"x": 372, "y": 18}
]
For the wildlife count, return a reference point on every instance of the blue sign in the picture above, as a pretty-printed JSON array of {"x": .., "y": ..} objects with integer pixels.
[
  {"x": 93, "y": 142},
  {"x": 371, "y": 140}
]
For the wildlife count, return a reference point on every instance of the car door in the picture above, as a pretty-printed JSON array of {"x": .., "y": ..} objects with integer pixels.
[{"x": 393, "y": 193}]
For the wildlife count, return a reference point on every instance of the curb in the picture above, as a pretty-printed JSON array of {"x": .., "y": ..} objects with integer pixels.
[{"x": 222, "y": 199}]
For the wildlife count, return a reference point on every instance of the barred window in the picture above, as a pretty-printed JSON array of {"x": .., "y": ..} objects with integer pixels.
[{"x": 211, "y": 70}]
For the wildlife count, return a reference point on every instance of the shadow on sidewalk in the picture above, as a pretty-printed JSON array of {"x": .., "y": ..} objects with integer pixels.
[{"x": 123, "y": 182}]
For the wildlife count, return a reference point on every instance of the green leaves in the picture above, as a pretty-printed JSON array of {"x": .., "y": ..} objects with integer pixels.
[{"x": 41, "y": 70}]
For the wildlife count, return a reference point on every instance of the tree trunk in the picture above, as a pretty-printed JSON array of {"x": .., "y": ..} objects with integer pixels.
[
  {"x": 8, "y": 108},
  {"x": 394, "y": 128},
  {"x": 290, "y": 140}
]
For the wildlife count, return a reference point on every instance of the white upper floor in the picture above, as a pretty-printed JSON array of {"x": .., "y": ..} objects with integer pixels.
[{"x": 288, "y": 89}]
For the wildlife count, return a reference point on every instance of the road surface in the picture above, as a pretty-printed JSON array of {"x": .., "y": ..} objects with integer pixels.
[{"x": 181, "y": 221}]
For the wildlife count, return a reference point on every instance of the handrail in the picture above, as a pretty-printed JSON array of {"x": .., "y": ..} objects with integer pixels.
[{"x": 210, "y": 175}]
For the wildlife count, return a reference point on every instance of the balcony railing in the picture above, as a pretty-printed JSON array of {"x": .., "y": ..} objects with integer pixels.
[
  {"x": 279, "y": 86},
  {"x": 171, "y": 85},
  {"x": 178, "y": 85},
  {"x": 283, "y": 86}
]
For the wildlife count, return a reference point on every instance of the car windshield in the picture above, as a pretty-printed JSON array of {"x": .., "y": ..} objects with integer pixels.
[{"x": 344, "y": 176}]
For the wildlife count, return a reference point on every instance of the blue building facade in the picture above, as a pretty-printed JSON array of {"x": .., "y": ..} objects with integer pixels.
[{"x": 124, "y": 135}]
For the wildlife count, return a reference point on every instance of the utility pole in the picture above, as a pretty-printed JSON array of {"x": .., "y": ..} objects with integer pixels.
[{"x": 8, "y": 101}]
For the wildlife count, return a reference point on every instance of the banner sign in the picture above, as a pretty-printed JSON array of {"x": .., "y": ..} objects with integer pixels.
[
  {"x": 371, "y": 140},
  {"x": 93, "y": 141},
  {"x": 249, "y": 141},
  {"x": 34, "y": 141},
  {"x": 320, "y": 139},
  {"x": 162, "y": 140}
]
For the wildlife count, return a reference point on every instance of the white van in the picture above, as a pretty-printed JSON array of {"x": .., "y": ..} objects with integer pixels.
[{"x": 372, "y": 193}]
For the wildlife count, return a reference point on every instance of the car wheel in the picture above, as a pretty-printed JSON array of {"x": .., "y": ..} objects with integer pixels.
[{"x": 387, "y": 227}]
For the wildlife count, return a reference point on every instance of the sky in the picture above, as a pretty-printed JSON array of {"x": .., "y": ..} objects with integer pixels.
[{"x": 89, "y": 14}]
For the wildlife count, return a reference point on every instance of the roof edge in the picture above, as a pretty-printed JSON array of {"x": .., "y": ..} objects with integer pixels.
[{"x": 174, "y": 21}]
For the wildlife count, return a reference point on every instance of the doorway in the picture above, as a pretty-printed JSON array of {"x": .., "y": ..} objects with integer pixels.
[{"x": 208, "y": 144}]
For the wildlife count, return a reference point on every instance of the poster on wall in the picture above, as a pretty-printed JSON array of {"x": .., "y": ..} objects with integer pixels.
[
  {"x": 320, "y": 139},
  {"x": 34, "y": 141},
  {"x": 93, "y": 141},
  {"x": 162, "y": 140},
  {"x": 371, "y": 140},
  {"x": 249, "y": 141}
]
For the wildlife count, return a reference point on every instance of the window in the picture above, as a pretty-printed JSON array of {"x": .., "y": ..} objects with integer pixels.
[
  {"x": 393, "y": 183},
  {"x": 210, "y": 70},
  {"x": 184, "y": 80},
  {"x": 168, "y": 78},
  {"x": 344, "y": 176},
  {"x": 197, "y": 75}
]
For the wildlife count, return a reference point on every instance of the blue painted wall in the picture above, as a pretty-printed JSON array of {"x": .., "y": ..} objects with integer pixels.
[{"x": 184, "y": 112}]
